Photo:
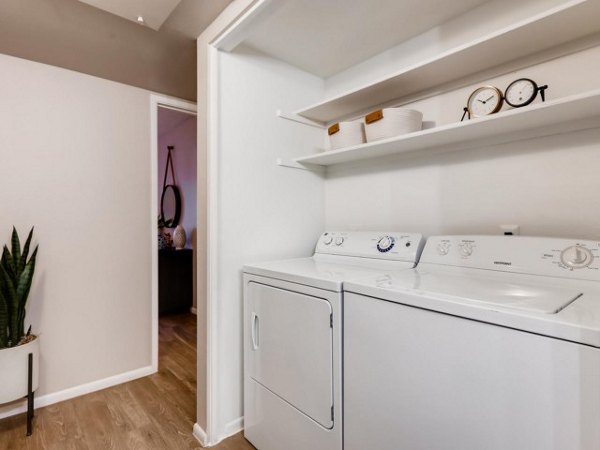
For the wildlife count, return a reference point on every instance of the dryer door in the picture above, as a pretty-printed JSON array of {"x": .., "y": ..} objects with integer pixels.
[{"x": 291, "y": 348}]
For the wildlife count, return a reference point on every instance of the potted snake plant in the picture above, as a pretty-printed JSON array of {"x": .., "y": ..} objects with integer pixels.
[{"x": 19, "y": 349}]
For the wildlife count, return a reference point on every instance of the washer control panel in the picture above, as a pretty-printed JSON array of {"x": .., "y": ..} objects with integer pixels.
[
  {"x": 520, "y": 254},
  {"x": 386, "y": 243},
  {"x": 576, "y": 257},
  {"x": 396, "y": 246}
]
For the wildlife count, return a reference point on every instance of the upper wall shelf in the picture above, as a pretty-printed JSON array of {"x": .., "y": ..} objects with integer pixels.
[
  {"x": 576, "y": 112},
  {"x": 571, "y": 21}
]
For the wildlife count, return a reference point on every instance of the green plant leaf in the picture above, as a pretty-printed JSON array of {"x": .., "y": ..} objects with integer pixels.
[
  {"x": 3, "y": 321},
  {"x": 7, "y": 262},
  {"x": 22, "y": 292},
  {"x": 25, "y": 253},
  {"x": 12, "y": 302},
  {"x": 16, "y": 275},
  {"x": 16, "y": 246}
]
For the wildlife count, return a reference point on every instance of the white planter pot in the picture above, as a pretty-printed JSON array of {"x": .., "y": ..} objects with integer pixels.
[{"x": 14, "y": 370}]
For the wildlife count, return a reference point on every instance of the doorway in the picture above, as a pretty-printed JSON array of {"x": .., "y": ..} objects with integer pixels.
[{"x": 173, "y": 247}]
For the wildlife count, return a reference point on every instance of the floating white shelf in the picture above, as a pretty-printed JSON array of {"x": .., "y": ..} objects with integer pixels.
[
  {"x": 568, "y": 22},
  {"x": 576, "y": 112}
]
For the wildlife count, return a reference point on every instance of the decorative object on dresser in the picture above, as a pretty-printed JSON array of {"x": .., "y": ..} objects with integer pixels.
[
  {"x": 179, "y": 237},
  {"x": 164, "y": 236},
  {"x": 175, "y": 281},
  {"x": 19, "y": 350}
]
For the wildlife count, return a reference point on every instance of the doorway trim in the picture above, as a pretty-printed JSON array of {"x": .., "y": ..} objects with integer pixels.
[{"x": 177, "y": 104}]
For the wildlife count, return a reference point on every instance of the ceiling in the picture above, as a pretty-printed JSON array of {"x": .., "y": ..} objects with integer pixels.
[
  {"x": 154, "y": 12},
  {"x": 296, "y": 30},
  {"x": 169, "y": 119},
  {"x": 189, "y": 17}
]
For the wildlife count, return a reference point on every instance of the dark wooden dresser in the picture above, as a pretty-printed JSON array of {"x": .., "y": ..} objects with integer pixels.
[{"x": 175, "y": 281}]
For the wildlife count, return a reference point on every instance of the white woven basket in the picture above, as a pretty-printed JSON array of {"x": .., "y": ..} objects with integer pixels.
[
  {"x": 346, "y": 134},
  {"x": 391, "y": 122}
]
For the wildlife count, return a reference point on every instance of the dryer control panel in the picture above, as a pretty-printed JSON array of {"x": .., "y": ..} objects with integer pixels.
[
  {"x": 567, "y": 258},
  {"x": 388, "y": 245}
]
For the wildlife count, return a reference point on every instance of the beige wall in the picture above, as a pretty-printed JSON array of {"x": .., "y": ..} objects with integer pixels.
[
  {"x": 76, "y": 36},
  {"x": 76, "y": 165}
]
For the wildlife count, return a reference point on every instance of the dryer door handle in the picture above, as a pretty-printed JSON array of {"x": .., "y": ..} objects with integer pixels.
[{"x": 254, "y": 331}]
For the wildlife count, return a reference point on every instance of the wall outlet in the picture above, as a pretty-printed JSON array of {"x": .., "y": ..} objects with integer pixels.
[{"x": 510, "y": 230}]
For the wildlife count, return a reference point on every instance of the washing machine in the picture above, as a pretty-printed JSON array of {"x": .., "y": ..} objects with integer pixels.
[
  {"x": 490, "y": 343},
  {"x": 293, "y": 336}
]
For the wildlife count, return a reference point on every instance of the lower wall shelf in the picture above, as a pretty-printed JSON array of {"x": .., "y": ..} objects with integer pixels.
[{"x": 576, "y": 112}]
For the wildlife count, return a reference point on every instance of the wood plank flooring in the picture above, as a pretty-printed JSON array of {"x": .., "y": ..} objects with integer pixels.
[{"x": 155, "y": 412}]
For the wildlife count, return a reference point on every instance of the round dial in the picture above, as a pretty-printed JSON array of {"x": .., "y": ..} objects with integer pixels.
[
  {"x": 521, "y": 92},
  {"x": 385, "y": 244},
  {"x": 576, "y": 257},
  {"x": 339, "y": 240},
  {"x": 327, "y": 239},
  {"x": 466, "y": 249},
  {"x": 485, "y": 101},
  {"x": 443, "y": 248}
]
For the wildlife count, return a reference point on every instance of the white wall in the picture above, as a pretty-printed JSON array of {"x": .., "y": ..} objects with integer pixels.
[
  {"x": 76, "y": 164},
  {"x": 266, "y": 212},
  {"x": 546, "y": 186},
  {"x": 206, "y": 426}
]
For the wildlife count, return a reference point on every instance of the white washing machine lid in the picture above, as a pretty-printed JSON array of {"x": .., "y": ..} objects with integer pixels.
[
  {"x": 327, "y": 272},
  {"x": 561, "y": 308},
  {"x": 522, "y": 295}
]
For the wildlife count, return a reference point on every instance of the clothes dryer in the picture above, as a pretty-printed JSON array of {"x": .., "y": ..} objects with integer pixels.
[{"x": 293, "y": 336}]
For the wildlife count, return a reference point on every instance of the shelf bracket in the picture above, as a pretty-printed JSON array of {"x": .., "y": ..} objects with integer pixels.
[
  {"x": 292, "y": 164},
  {"x": 299, "y": 119}
]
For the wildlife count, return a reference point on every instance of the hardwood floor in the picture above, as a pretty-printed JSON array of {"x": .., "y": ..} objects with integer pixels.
[{"x": 155, "y": 412}]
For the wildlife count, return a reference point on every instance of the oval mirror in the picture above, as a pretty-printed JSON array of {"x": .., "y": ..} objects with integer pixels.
[{"x": 170, "y": 206}]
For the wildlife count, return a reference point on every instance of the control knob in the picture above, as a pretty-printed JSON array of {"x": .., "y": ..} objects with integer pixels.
[
  {"x": 327, "y": 239},
  {"x": 465, "y": 248},
  {"x": 576, "y": 257},
  {"x": 385, "y": 244},
  {"x": 339, "y": 241},
  {"x": 443, "y": 248}
]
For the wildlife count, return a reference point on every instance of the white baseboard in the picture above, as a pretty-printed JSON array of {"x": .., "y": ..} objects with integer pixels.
[
  {"x": 200, "y": 435},
  {"x": 233, "y": 427},
  {"x": 76, "y": 391},
  {"x": 193, "y": 310}
]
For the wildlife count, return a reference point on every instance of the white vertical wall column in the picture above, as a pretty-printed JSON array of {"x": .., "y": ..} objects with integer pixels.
[
  {"x": 205, "y": 426},
  {"x": 256, "y": 209}
]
